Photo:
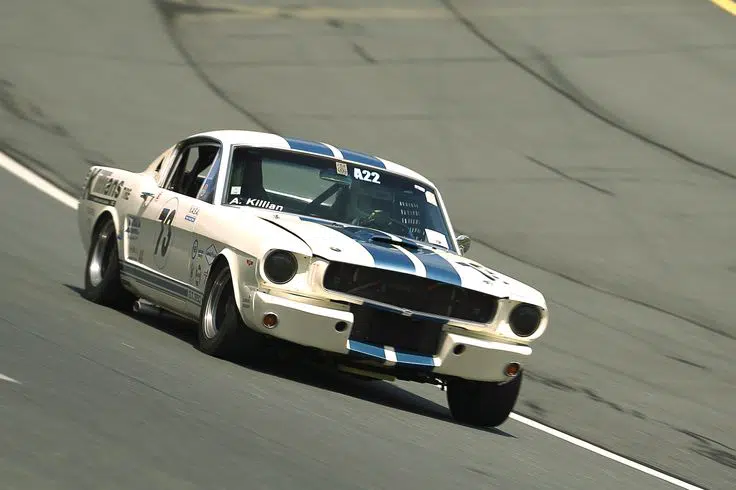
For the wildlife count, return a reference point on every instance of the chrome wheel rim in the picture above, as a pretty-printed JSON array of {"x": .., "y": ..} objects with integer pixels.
[
  {"x": 215, "y": 309},
  {"x": 102, "y": 254}
]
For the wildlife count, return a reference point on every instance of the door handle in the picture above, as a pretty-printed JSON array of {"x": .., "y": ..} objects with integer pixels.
[{"x": 146, "y": 195}]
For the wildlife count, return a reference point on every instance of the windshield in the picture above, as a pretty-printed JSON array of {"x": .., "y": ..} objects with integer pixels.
[{"x": 336, "y": 191}]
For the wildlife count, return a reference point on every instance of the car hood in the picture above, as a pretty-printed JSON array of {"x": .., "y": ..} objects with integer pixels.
[{"x": 373, "y": 248}]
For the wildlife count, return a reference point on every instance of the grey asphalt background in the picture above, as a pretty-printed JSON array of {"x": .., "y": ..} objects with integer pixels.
[{"x": 585, "y": 143}]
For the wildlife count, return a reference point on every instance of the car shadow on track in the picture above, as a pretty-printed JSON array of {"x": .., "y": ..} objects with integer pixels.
[{"x": 300, "y": 371}]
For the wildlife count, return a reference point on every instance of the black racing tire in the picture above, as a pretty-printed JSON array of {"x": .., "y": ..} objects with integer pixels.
[
  {"x": 483, "y": 404},
  {"x": 102, "y": 283},
  {"x": 222, "y": 332}
]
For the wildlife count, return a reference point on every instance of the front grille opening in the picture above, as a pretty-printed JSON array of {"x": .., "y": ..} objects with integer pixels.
[
  {"x": 411, "y": 292},
  {"x": 381, "y": 327}
]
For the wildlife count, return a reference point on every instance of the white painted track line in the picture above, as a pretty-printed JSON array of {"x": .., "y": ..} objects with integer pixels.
[
  {"x": 602, "y": 452},
  {"x": 37, "y": 181},
  {"x": 68, "y": 200},
  {"x": 8, "y": 379}
]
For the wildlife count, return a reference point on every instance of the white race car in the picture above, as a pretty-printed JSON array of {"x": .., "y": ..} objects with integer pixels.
[{"x": 260, "y": 238}]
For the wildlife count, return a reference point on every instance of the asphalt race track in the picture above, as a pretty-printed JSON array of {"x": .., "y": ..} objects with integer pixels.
[{"x": 586, "y": 146}]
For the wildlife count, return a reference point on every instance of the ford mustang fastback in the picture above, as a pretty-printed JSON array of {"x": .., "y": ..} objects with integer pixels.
[{"x": 262, "y": 239}]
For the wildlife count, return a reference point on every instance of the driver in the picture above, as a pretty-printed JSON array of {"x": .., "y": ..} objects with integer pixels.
[{"x": 377, "y": 209}]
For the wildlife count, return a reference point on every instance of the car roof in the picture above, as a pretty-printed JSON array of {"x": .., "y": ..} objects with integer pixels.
[{"x": 317, "y": 148}]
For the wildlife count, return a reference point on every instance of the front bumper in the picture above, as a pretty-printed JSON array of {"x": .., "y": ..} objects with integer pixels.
[{"x": 329, "y": 329}]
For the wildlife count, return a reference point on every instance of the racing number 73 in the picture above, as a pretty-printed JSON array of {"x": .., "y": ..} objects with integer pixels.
[{"x": 166, "y": 218}]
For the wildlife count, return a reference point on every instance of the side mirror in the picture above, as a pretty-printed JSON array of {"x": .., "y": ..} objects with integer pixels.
[{"x": 463, "y": 242}]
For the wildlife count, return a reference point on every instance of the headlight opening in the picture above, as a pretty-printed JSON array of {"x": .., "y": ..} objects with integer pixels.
[
  {"x": 280, "y": 266},
  {"x": 525, "y": 319}
]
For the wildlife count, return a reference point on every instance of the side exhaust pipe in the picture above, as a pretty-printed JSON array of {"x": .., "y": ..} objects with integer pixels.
[{"x": 145, "y": 308}]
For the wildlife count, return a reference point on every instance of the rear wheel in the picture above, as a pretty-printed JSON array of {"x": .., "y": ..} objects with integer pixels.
[
  {"x": 102, "y": 283},
  {"x": 482, "y": 403},
  {"x": 222, "y": 332}
]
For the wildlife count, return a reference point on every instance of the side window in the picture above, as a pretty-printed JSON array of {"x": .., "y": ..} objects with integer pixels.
[
  {"x": 302, "y": 183},
  {"x": 246, "y": 179},
  {"x": 178, "y": 168},
  {"x": 263, "y": 178},
  {"x": 156, "y": 166},
  {"x": 206, "y": 190},
  {"x": 192, "y": 169}
]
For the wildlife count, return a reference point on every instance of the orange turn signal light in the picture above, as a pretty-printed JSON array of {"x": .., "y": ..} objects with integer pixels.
[
  {"x": 512, "y": 369},
  {"x": 270, "y": 320}
]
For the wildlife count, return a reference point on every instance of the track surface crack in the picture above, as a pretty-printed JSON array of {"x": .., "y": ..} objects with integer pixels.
[
  {"x": 569, "y": 177},
  {"x": 583, "y": 105},
  {"x": 169, "y": 12}
]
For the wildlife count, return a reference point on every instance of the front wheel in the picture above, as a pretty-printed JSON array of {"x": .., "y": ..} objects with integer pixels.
[
  {"x": 222, "y": 332},
  {"x": 481, "y": 403},
  {"x": 102, "y": 273}
]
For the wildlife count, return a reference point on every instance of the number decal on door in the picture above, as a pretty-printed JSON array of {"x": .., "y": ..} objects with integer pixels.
[
  {"x": 367, "y": 175},
  {"x": 166, "y": 218}
]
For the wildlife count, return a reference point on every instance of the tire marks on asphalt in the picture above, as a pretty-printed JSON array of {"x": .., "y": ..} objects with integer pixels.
[
  {"x": 565, "y": 176},
  {"x": 580, "y": 103},
  {"x": 169, "y": 13}
]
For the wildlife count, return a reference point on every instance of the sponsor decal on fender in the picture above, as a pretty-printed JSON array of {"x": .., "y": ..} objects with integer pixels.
[{"x": 210, "y": 254}]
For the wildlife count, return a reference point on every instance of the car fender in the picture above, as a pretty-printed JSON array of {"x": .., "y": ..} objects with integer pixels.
[
  {"x": 90, "y": 218},
  {"x": 93, "y": 204}
]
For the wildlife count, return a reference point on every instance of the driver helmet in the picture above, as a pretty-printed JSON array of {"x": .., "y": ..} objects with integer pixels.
[{"x": 370, "y": 199}]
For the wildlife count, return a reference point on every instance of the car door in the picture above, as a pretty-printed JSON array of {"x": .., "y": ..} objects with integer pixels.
[
  {"x": 202, "y": 250},
  {"x": 136, "y": 197},
  {"x": 167, "y": 224}
]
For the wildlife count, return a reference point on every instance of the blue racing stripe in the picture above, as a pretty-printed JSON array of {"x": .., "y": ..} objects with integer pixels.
[
  {"x": 362, "y": 234},
  {"x": 161, "y": 283},
  {"x": 309, "y": 146},
  {"x": 437, "y": 267},
  {"x": 164, "y": 282},
  {"x": 385, "y": 255},
  {"x": 370, "y": 350},
  {"x": 414, "y": 359},
  {"x": 151, "y": 285},
  {"x": 357, "y": 157}
]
